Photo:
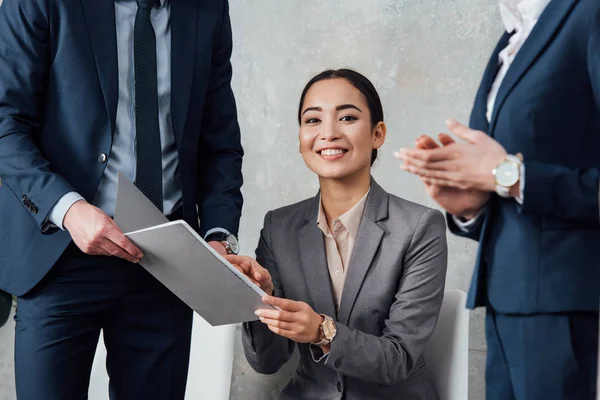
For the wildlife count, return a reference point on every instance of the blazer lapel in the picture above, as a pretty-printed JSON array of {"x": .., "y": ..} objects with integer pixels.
[
  {"x": 311, "y": 245},
  {"x": 100, "y": 20},
  {"x": 184, "y": 22},
  {"x": 542, "y": 33},
  {"x": 478, "y": 117},
  {"x": 368, "y": 240}
]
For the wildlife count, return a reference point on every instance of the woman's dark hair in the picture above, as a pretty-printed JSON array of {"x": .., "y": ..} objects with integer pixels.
[{"x": 360, "y": 82}]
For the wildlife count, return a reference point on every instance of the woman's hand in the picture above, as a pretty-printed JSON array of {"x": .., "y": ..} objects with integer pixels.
[
  {"x": 296, "y": 320},
  {"x": 254, "y": 271}
]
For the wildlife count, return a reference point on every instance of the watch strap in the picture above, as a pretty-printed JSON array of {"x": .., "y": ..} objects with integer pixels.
[
  {"x": 217, "y": 237},
  {"x": 503, "y": 191}
]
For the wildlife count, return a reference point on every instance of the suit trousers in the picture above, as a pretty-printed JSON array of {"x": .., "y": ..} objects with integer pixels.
[
  {"x": 147, "y": 332},
  {"x": 541, "y": 356}
]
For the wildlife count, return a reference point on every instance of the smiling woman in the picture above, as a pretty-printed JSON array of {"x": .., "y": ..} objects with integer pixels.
[
  {"x": 343, "y": 78},
  {"x": 356, "y": 273}
]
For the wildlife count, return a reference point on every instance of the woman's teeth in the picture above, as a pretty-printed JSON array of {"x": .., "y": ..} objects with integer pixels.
[{"x": 332, "y": 152}]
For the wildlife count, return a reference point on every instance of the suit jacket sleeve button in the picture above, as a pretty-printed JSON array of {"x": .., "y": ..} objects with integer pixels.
[
  {"x": 337, "y": 363},
  {"x": 34, "y": 209},
  {"x": 102, "y": 158}
]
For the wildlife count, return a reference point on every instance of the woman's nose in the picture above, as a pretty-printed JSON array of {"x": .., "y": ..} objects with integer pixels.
[{"x": 330, "y": 132}]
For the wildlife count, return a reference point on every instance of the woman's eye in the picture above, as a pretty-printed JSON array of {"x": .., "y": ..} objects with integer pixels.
[
  {"x": 348, "y": 118},
  {"x": 312, "y": 120}
]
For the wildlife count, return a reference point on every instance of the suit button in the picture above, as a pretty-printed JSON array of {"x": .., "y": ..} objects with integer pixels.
[
  {"x": 24, "y": 198},
  {"x": 102, "y": 158},
  {"x": 34, "y": 209},
  {"x": 337, "y": 363},
  {"x": 339, "y": 386}
]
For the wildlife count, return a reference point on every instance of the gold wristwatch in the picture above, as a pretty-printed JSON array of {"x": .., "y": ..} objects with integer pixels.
[{"x": 328, "y": 331}]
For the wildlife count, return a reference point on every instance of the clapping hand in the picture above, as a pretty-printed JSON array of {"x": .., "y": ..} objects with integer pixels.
[{"x": 456, "y": 201}]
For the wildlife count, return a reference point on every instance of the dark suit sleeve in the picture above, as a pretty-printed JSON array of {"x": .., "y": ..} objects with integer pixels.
[
  {"x": 562, "y": 193},
  {"x": 565, "y": 193},
  {"x": 392, "y": 357},
  {"x": 473, "y": 232},
  {"x": 220, "y": 149},
  {"x": 24, "y": 65},
  {"x": 265, "y": 351}
]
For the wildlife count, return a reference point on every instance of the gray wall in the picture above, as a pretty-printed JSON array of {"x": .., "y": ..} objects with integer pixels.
[{"x": 424, "y": 56}]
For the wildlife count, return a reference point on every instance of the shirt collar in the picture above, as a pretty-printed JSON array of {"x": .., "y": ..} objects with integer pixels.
[
  {"x": 519, "y": 14},
  {"x": 350, "y": 219}
]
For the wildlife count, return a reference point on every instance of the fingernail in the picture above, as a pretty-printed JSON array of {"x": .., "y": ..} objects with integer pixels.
[
  {"x": 450, "y": 121},
  {"x": 257, "y": 313}
]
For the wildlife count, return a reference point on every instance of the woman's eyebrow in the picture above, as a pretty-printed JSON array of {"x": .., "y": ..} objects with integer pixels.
[
  {"x": 312, "y": 109},
  {"x": 338, "y": 108},
  {"x": 346, "y": 107}
]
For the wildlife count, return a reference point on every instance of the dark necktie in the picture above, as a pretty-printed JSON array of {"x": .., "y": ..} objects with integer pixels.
[{"x": 148, "y": 149}]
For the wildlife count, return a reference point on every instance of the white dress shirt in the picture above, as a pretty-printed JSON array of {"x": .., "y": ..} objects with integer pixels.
[{"x": 518, "y": 16}]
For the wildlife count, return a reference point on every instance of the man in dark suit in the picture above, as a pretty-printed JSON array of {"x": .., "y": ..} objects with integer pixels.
[
  {"x": 525, "y": 185},
  {"x": 89, "y": 88}
]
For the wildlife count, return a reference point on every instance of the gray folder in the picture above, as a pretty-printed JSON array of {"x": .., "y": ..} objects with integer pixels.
[{"x": 182, "y": 261}]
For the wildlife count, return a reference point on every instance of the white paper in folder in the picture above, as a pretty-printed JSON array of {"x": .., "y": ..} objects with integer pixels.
[{"x": 182, "y": 261}]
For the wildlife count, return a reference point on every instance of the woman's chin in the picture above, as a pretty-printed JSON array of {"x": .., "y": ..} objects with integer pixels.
[{"x": 335, "y": 174}]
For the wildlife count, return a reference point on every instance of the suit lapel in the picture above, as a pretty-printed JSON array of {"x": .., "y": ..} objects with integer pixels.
[
  {"x": 542, "y": 33},
  {"x": 479, "y": 117},
  {"x": 311, "y": 245},
  {"x": 184, "y": 22},
  {"x": 368, "y": 240},
  {"x": 100, "y": 20}
]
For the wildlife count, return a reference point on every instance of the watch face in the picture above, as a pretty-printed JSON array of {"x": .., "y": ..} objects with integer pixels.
[
  {"x": 329, "y": 329},
  {"x": 507, "y": 174},
  {"x": 233, "y": 244}
]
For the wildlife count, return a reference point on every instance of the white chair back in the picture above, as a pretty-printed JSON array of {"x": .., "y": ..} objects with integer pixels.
[
  {"x": 211, "y": 362},
  {"x": 447, "y": 352}
]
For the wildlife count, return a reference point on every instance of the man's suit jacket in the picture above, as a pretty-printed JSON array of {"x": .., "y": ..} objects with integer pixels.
[
  {"x": 390, "y": 303},
  {"x": 543, "y": 256},
  {"x": 58, "y": 102}
]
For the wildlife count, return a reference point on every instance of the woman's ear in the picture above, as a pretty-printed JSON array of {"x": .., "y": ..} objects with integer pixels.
[{"x": 379, "y": 134}]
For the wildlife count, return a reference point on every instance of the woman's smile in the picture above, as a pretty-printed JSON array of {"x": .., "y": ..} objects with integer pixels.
[{"x": 332, "y": 153}]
